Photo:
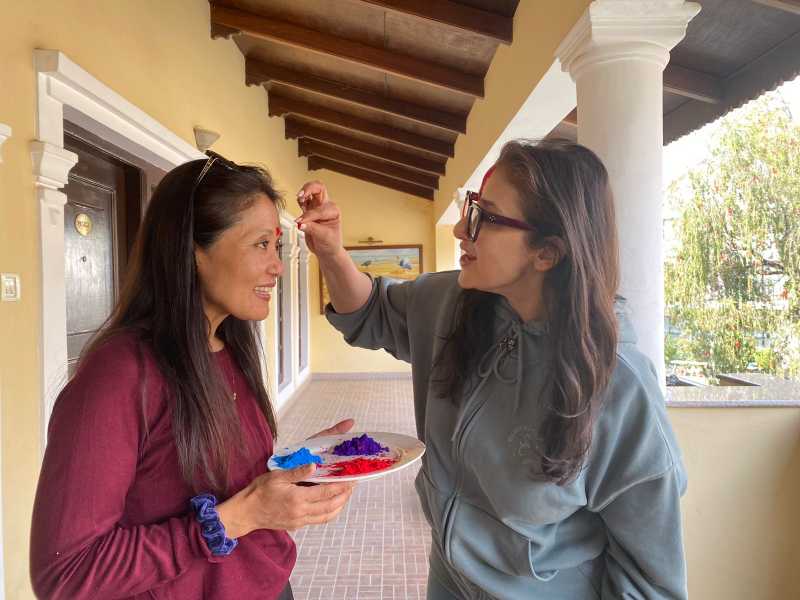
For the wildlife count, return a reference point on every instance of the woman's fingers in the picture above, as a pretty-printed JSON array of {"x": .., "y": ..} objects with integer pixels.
[
  {"x": 321, "y": 214},
  {"x": 341, "y": 427},
  {"x": 325, "y": 518},
  {"x": 321, "y": 493},
  {"x": 312, "y": 194},
  {"x": 326, "y": 507}
]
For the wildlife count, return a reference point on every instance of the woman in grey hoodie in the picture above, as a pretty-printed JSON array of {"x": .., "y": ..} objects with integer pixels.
[{"x": 552, "y": 471}]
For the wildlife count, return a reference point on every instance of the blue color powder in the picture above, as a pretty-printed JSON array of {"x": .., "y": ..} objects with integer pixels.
[{"x": 296, "y": 459}]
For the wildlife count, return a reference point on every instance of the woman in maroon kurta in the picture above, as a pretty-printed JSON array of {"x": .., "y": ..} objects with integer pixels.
[{"x": 168, "y": 405}]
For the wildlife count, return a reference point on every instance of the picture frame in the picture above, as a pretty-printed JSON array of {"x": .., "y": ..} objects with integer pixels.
[{"x": 398, "y": 261}]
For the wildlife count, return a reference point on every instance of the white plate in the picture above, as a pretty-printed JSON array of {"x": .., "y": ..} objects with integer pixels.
[{"x": 406, "y": 449}]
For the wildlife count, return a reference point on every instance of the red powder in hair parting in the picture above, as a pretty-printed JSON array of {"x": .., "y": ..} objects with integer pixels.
[
  {"x": 486, "y": 178},
  {"x": 358, "y": 466}
]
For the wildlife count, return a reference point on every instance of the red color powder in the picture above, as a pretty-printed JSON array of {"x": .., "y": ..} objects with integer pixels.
[{"x": 358, "y": 466}]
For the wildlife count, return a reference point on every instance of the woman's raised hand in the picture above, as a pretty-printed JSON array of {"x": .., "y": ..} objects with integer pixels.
[
  {"x": 320, "y": 220},
  {"x": 275, "y": 501}
]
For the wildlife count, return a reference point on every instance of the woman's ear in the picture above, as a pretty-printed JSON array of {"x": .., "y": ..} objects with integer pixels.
[
  {"x": 200, "y": 257},
  {"x": 549, "y": 254}
]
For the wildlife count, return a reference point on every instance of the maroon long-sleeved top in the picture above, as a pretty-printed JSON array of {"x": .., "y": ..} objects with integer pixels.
[{"x": 112, "y": 518}]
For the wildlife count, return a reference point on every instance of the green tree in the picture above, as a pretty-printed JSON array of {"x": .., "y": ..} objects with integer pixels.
[{"x": 736, "y": 273}]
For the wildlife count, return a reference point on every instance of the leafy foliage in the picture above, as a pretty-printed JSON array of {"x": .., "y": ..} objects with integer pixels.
[{"x": 735, "y": 277}]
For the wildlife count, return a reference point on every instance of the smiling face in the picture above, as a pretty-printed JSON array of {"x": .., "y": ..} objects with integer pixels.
[
  {"x": 501, "y": 260},
  {"x": 240, "y": 269}
]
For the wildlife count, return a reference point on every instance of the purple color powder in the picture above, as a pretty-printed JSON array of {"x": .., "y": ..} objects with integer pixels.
[
  {"x": 363, "y": 445},
  {"x": 299, "y": 458}
]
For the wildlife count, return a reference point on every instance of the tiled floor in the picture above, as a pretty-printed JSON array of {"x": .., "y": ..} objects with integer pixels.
[{"x": 377, "y": 549}]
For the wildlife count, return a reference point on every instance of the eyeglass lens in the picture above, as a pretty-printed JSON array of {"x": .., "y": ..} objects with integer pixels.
[{"x": 473, "y": 220}]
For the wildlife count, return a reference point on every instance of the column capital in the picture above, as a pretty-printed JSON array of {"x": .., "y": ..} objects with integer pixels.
[
  {"x": 51, "y": 164},
  {"x": 611, "y": 30}
]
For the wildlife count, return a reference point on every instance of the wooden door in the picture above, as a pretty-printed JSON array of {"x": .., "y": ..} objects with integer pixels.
[{"x": 100, "y": 221}]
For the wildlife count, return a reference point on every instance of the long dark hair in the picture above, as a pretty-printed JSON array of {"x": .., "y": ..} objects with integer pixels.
[
  {"x": 161, "y": 302},
  {"x": 564, "y": 188}
]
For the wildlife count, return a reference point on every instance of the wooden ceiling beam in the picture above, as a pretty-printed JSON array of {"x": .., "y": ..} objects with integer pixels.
[
  {"x": 259, "y": 72},
  {"x": 792, "y": 6},
  {"x": 280, "y": 106},
  {"x": 296, "y": 129},
  {"x": 372, "y": 57},
  {"x": 300, "y": 129},
  {"x": 220, "y": 31},
  {"x": 317, "y": 162},
  {"x": 693, "y": 84},
  {"x": 456, "y": 15},
  {"x": 315, "y": 148}
]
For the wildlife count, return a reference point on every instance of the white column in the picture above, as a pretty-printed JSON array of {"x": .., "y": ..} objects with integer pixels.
[
  {"x": 51, "y": 166},
  {"x": 616, "y": 54}
]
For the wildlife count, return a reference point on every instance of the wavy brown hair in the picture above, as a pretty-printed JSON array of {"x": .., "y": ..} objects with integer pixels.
[
  {"x": 566, "y": 194},
  {"x": 161, "y": 303}
]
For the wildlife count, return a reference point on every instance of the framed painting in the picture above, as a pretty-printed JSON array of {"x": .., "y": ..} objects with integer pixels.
[{"x": 398, "y": 262}]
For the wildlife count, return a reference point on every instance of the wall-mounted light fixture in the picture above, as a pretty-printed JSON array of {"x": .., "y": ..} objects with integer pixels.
[{"x": 205, "y": 138}]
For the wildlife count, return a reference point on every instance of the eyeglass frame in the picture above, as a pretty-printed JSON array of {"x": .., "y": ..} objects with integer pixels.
[
  {"x": 471, "y": 203},
  {"x": 213, "y": 158}
]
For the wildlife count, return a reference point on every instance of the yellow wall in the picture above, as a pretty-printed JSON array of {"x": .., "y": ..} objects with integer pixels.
[
  {"x": 741, "y": 523},
  {"x": 367, "y": 210}
]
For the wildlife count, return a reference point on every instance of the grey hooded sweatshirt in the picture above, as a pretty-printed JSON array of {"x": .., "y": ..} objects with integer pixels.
[{"x": 498, "y": 531}]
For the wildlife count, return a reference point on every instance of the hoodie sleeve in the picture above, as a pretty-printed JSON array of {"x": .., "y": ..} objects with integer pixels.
[
  {"x": 644, "y": 557},
  {"x": 382, "y": 322},
  {"x": 634, "y": 482}
]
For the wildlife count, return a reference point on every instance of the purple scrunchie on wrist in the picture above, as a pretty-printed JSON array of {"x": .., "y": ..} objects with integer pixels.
[{"x": 211, "y": 528}]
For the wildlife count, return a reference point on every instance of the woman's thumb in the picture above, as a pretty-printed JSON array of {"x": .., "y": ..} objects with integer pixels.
[{"x": 300, "y": 473}]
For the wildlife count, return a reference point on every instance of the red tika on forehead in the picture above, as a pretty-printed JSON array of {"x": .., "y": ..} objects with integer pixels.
[
  {"x": 278, "y": 232},
  {"x": 486, "y": 178}
]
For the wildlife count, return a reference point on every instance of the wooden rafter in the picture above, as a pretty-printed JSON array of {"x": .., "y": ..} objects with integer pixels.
[
  {"x": 792, "y": 6},
  {"x": 280, "y": 106},
  {"x": 369, "y": 56},
  {"x": 301, "y": 129},
  {"x": 259, "y": 72},
  {"x": 455, "y": 15},
  {"x": 315, "y": 148},
  {"x": 220, "y": 31},
  {"x": 317, "y": 162},
  {"x": 693, "y": 84}
]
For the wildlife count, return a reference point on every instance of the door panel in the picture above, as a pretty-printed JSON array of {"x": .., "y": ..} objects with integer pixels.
[
  {"x": 96, "y": 240},
  {"x": 89, "y": 262}
]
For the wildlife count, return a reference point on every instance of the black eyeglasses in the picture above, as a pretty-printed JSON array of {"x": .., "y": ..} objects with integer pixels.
[{"x": 475, "y": 216}]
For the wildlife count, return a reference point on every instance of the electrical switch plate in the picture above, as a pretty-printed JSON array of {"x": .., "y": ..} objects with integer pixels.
[{"x": 10, "y": 287}]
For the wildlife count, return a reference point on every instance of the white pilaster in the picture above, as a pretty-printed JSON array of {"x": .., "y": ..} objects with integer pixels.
[
  {"x": 5, "y": 133},
  {"x": 303, "y": 334},
  {"x": 51, "y": 166},
  {"x": 616, "y": 54}
]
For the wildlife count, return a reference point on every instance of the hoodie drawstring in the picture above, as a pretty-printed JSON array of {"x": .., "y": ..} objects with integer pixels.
[{"x": 490, "y": 364}]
